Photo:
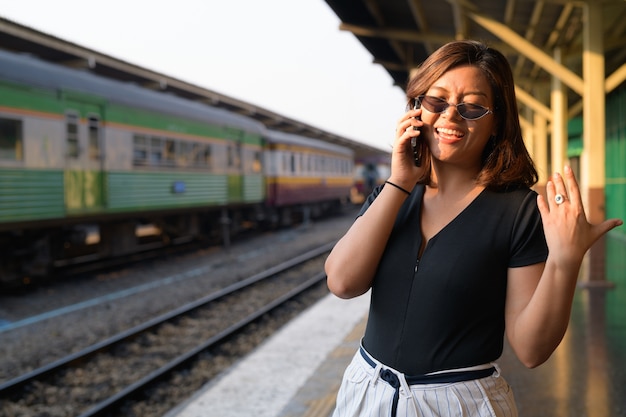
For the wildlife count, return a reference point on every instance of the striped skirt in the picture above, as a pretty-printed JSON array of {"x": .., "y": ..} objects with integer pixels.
[{"x": 370, "y": 389}]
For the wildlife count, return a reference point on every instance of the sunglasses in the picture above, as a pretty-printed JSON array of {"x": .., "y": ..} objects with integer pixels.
[{"x": 468, "y": 111}]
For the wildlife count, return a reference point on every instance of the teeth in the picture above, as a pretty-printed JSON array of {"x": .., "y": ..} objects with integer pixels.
[{"x": 450, "y": 132}]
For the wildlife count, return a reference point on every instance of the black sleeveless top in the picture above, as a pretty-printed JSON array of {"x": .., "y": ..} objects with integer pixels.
[{"x": 446, "y": 310}]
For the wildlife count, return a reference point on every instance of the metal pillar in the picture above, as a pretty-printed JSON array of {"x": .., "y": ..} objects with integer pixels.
[
  {"x": 594, "y": 137},
  {"x": 558, "y": 99}
]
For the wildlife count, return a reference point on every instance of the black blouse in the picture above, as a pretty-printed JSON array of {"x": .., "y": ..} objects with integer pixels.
[{"x": 446, "y": 310}]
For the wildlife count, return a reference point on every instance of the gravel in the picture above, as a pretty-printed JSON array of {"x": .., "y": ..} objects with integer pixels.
[{"x": 140, "y": 293}]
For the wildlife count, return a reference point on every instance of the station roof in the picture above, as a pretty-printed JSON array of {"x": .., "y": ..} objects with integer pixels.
[
  {"x": 22, "y": 39},
  {"x": 400, "y": 34}
]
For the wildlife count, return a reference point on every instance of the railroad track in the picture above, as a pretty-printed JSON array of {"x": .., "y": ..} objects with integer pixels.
[{"x": 118, "y": 371}]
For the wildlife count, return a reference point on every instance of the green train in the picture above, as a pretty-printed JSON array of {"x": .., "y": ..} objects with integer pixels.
[{"x": 94, "y": 168}]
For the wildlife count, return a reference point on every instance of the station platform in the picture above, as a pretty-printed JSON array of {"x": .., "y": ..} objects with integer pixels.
[{"x": 296, "y": 373}]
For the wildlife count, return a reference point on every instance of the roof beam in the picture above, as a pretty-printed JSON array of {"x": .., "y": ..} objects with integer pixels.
[
  {"x": 533, "y": 103},
  {"x": 530, "y": 33},
  {"x": 460, "y": 23},
  {"x": 420, "y": 17},
  {"x": 529, "y": 50},
  {"x": 615, "y": 79},
  {"x": 555, "y": 34},
  {"x": 374, "y": 8},
  {"x": 395, "y": 34},
  {"x": 509, "y": 12}
]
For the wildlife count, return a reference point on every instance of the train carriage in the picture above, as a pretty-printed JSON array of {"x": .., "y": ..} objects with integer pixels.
[
  {"x": 306, "y": 172},
  {"x": 92, "y": 168},
  {"x": 80, "y": 153}
]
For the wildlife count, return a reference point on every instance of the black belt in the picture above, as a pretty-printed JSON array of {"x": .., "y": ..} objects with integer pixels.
[{"x": 443, "y": 378}]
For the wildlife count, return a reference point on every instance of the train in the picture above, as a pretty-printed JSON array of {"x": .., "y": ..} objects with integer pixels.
[{"x": 92, "y": 168}]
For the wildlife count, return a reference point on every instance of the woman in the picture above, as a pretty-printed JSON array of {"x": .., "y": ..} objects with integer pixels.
[{"x": 456, "y": 249}]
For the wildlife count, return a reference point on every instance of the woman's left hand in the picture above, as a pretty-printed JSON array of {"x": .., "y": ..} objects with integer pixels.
[{"x": 568, "y": 233}]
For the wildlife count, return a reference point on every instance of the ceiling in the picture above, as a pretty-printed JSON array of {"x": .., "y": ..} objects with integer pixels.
[{"x": 401, "y": 33}]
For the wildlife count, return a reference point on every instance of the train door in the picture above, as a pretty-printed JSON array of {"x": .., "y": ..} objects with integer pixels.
[
  {"x": 235, "y": 166},
  {"x": 84, "y": 157}
]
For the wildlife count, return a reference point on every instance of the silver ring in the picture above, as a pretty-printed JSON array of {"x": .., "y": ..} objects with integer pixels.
[{"x": 559, "y": 199}]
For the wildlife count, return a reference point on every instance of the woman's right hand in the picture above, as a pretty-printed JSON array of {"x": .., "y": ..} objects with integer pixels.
[{"x": 404, "y": 172}]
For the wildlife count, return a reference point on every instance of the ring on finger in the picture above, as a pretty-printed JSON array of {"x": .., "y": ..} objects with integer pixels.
[{"x": 559, "y": 199}]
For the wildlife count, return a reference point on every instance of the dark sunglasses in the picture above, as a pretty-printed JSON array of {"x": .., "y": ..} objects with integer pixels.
[{"x": 468, "y": 111}]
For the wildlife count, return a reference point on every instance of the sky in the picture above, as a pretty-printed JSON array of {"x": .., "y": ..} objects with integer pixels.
[{"x": 287, "y": 56}]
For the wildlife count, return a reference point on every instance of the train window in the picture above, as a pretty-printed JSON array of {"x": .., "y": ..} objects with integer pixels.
[
  {"x": 156, "y": 150},
  {"x": 256, "y": 162},
  {"x": 234, "y": 155},
  {"x": 183, "y": 152},
  {"x": 194, "y": 154},
  {"x": 169, "y": 153},
  {"x": 140, "y": 150},
  {"x": 230, "y": 157},
  {"x": 11, "y": 139},
  {"x": 238, "y": 153},
  {"x": 94, "y": 137},
  {"x": 206, "y": 156},
  {"x": 285, "y": 163},
  {"x": 201, "y": 155},
  {"x": 71, "y": 132},
  {"x": 309, "y": 164}
]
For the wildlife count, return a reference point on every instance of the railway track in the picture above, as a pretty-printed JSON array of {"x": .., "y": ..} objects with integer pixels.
[{"x": 121, "y": 370}]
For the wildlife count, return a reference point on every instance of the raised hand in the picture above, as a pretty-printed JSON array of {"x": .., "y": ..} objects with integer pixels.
[{"x": 568, "y": 233}]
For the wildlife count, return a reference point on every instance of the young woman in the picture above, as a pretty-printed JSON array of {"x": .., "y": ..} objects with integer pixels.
[{"x": 457, "y": 249}]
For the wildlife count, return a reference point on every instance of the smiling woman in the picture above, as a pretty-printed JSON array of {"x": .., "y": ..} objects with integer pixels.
[{"x": 460, "y": 255}]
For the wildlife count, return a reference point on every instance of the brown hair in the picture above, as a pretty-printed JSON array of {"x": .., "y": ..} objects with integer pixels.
[{"x": 506, "y": 162}]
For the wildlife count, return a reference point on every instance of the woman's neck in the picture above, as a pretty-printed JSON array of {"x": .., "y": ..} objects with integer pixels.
[{"x": 454, "y": 180}]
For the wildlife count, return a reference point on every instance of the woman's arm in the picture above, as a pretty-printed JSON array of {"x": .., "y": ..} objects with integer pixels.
[
  {"x": 351, "y": 265},
  {"x": 539, "y": 297},
  {"x": 538, "y": 305}
]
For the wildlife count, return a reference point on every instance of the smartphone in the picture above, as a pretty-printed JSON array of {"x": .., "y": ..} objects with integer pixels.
[{"x": 418, "y": 149}]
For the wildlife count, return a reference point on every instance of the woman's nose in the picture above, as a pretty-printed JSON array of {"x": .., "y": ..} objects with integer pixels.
[{"x": 451, "y": 108}]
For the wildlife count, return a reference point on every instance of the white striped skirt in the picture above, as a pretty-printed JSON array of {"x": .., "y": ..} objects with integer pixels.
[{"x": 364, "y": 393}]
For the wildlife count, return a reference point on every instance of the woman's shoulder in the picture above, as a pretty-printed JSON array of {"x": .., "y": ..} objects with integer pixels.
[{"x": 512, "y": 198}]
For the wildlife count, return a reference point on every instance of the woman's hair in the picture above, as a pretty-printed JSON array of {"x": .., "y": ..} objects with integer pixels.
[{"x": 506, "y": 162}]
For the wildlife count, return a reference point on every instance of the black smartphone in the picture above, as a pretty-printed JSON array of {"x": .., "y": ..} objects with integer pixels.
[{"x": 417, "y": 149}]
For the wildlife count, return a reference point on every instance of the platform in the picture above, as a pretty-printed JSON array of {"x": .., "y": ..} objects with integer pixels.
[
  {"x": 296, "y": 373},
  {"x": 296, "y": 370}
]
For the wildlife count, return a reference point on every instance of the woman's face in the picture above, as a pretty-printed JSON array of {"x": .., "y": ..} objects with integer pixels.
[{"x": 452, "y": 138}]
